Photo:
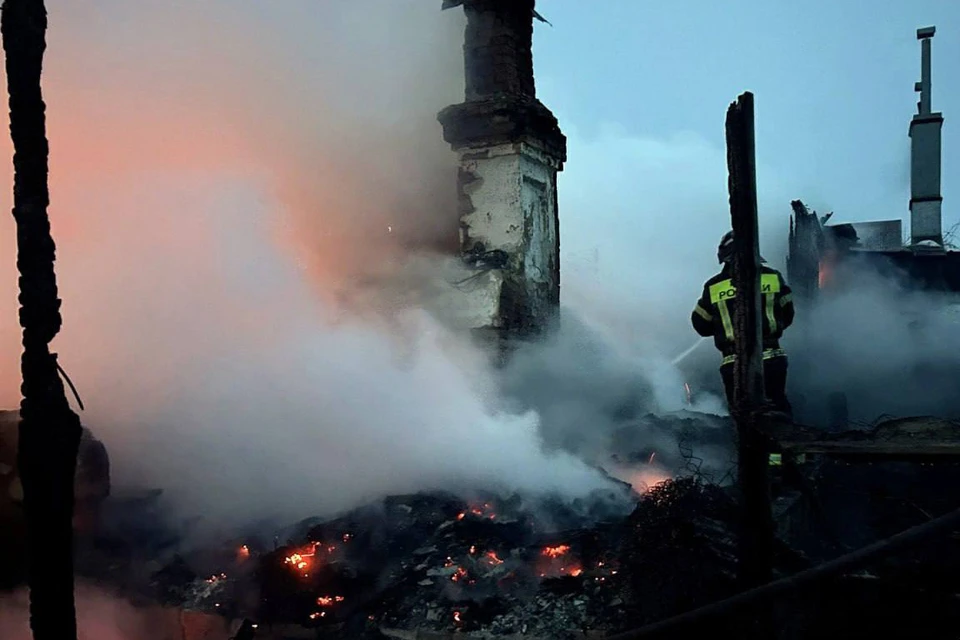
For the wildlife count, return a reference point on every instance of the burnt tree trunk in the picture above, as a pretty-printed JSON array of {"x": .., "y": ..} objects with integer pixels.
[
  {"x": 49, "y": 429},
  {"x": 756, "y": 536}
]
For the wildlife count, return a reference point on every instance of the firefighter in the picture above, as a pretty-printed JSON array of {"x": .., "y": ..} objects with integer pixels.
[{"x": 713, "y": 317}]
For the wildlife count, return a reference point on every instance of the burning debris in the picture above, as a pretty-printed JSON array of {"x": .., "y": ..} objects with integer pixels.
[{"x": 433, "y": 562}]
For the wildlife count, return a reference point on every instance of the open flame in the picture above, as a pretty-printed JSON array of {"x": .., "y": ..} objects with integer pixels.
[
  {"x": 304, "y": 558},
  {"x": 556, "y": 552},
  {"x": 556, "y": 562}
]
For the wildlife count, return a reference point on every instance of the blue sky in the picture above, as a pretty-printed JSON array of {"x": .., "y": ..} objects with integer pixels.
[{"x": 833, "y": 81}]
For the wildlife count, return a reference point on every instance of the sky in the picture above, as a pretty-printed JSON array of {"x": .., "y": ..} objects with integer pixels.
[
  {"x": 222, "y": 172},
  {"x": 642, "y": 88},
  {"x": 833, "y": 81}
]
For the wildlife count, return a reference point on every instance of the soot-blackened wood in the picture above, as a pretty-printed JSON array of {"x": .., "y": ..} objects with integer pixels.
[
  {"x": 49, "y": 429},
  {"x": 756, "y": 536}
]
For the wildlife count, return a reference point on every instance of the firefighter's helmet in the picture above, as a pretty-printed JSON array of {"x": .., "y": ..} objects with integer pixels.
[{"x": 725, "y": 250}]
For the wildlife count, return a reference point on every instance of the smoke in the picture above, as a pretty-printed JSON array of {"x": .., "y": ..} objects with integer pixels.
[
  {"x": 888, "y": 346},
  {"x": 222, "y": 175},
  {"x": 103, "y": 616},
  {"x": 226, "y": 176},
  {"x": 642, "y": 218}
]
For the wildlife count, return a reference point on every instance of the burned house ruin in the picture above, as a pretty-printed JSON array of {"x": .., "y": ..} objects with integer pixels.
[
  {"x": 436, "y": 565},
  {"x": 510, "y": 149},
  {"x": 816, "y": 248}
]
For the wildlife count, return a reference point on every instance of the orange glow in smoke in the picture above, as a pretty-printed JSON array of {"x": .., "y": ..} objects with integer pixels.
[
  {"x": 825, "y": 273},
  {"x": 493, "y": 558},
  {"x": 195, "y": 120},
  {"x": 243, "y": 553},
  {"x": 643, "y": 480}
]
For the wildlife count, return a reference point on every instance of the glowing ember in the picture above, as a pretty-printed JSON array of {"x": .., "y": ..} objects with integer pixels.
[
  {"x": 484, "y": 510},
  {"x": 456, "y": 617},
  {"x": 346, "y": 537},
  {"x": 302, "y": 559},
  {"x": 493, "y": 559},
  {"x": 473, "y": 549},
  {"x": 213, "y": 579},
  {"x": 555, "y": 552},
  {"x": 459, "y": 575},
  {"x": 329, "y": 601},
  {"x": 243, "y": 552}
]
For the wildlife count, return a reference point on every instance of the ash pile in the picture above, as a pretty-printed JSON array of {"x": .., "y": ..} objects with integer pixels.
[
  {"x": 434, "y": 562},
  {"x": 491, "y": 567},
  {"x": 437, "y": 563}
]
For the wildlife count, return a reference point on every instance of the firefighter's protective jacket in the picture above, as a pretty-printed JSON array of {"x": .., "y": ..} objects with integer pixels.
[{"x": 713, "y": 315}]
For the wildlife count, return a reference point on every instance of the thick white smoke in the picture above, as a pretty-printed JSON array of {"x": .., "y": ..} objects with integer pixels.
[
  {"x": 221, "y": 176},
  {"x": 890, "y": 347}
]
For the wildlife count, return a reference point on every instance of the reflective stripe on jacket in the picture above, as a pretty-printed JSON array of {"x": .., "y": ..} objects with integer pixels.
[{"x": 713, "y": 314}]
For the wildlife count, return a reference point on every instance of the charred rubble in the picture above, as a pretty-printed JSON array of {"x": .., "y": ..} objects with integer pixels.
[
  {"x": 508, "y": 566},
  {"x": 494, "y": 566}
]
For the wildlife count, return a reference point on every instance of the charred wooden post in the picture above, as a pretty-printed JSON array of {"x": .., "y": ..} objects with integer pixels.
[
  {"x": 49, "y": 434},
  {"x": 756, "y": 535},
  {"x": 510, "y": 150},
  {"x": 806, "y": 249}
]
